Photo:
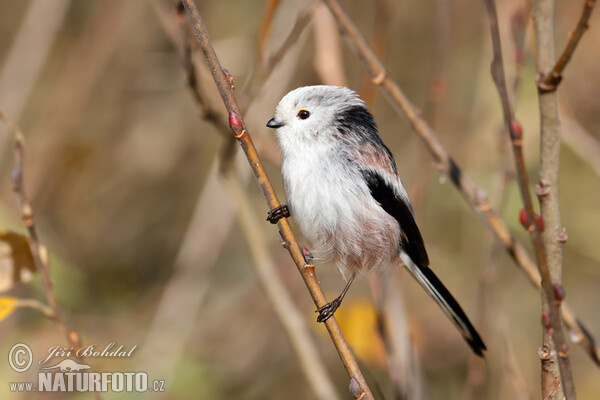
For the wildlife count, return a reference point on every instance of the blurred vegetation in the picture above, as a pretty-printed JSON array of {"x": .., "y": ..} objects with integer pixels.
[{"x": 118, "y": 158}]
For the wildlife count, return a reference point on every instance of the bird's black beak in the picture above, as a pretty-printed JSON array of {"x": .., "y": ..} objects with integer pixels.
[{"x": 273, "y": 123}]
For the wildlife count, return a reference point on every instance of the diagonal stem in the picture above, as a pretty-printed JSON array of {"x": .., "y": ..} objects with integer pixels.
[{"x": 224, "y": 83}]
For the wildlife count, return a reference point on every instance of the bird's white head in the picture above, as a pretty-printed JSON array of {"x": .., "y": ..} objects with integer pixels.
[{"x": 311, "y": 113}]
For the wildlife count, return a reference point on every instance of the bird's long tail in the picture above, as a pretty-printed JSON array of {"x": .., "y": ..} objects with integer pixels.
[{"x": 449, "y": 305}]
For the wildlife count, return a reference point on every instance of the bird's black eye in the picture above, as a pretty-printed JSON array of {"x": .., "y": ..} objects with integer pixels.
[{"x": 303, "y": 114}]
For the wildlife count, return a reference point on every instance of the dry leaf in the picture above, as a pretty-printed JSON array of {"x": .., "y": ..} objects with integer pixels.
[{"x": 16, "y": 260}]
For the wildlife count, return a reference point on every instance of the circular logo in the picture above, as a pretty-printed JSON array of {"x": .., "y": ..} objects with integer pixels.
[{"x": 20, "y": 357}]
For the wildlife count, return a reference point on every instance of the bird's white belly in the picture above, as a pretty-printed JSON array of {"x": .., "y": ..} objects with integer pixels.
[{"x": 337, "y": 214}]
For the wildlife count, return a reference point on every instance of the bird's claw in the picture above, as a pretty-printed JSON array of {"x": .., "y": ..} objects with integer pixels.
[
  {"x": 328, "y": 310},
  {"x": 277, "y": 213}
]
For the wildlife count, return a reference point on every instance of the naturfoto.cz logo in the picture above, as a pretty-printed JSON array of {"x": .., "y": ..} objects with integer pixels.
[{"x": 72, "y": 376}]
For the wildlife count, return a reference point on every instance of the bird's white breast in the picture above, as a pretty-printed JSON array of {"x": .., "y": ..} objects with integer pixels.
[{"x": 332, "y": 205}]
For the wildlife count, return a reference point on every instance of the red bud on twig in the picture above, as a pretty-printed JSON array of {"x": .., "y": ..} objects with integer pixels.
[
  {"x": 516, "y": 129},
  {"x": 235, "y": 123},
  {"x": 546, "y": 321},
  {"x": 538, "y": 219},
  {"x": 559, "y": 292}
]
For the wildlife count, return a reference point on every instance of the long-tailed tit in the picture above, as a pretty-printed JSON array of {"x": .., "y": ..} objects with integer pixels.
[{"x": 344, "y": 192}]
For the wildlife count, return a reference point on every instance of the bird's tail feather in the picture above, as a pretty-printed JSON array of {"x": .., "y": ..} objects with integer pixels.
[{"x": 449, "y": 305}]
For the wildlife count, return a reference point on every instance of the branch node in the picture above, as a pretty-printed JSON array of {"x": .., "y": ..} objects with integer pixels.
[
  {"x": 542, "y": 189},
  {"x": 562, "y": 236},
  {"x": 563, "y": 351},
  {"x": 544, "y": 352},
  {"x": 239, "y": 135},
  {"x": 547, "y": 83},
  {"x": 75, "y": 339},
  {"x": 483, "y": 202},
  {"x": 378, "y": 80},
  {"x": 16, "y": 178},
  {"x": 355, "y": 389},
  {"x": 309, "y": 269},
  {"x": 229, "y": 78}
]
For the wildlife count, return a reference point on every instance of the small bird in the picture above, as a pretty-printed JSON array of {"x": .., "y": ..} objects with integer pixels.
[{"x": 344, "y": 192}]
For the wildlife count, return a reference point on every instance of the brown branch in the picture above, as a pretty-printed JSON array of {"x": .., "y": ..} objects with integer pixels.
[
  {"x": 473, "y": 195},
  {"x": 549, "y": 81},
  {"x": 224, "y": 83},
  {"x": 478, "y": 383},
  {"x": 554, "y": 338},
  {"x": 282, "y": 303},
  {"x": 38, "y": 252},
  {"x": 384, "y": 15}
]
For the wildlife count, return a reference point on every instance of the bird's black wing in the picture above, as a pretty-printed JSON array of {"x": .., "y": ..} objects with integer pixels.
[
  {"x": 411, "y": 239},
  {"x": 417, "y": 261}
]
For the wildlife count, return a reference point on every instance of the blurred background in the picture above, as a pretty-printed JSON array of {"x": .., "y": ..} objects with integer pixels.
[{"x": 145, "y": 241}]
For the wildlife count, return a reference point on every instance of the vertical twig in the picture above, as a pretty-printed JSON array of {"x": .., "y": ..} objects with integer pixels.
[
  {"x": 553, "y": 337},
  {"x": 224, "y": 82},
  {"x": 478, "y": 382}
]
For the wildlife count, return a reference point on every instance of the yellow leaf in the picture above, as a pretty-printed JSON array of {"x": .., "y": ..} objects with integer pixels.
[
  {"x": 7, "y": 306},
  {"x": 358, "y": 320}
]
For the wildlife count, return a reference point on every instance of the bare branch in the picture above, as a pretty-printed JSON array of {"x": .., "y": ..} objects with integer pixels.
[
  {"x": 549, "y": 81},
  {"x": 38, "y": 252},
  {"x": 473, "y": 195},
  {"x": 384, "y": 15},
  {"x": 224, "y": 83},
  {"x": 554, "y": 338}
]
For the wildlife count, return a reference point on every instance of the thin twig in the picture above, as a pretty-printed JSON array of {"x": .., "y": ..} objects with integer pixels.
[
  {"x": 384, "y": 15},
  {"x": 224, "y": 83},
  {"x": 38, "y": 252},
  {"x": 478, "y": 383},
  {"x": 475, "y": 196},
  {"x": 549, "y": 81},
  {"x": 281, "y": 301},
  {"x": 38, "y": 305},
  {"x": 555, "y": 337}
]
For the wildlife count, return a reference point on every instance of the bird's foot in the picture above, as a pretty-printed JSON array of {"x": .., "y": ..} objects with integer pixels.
[
  {"x": 328, "y": 310},
  {"x": 277, "y": 213}
]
